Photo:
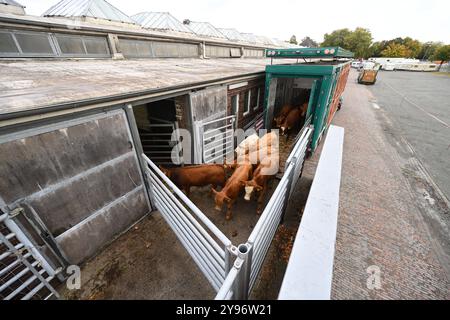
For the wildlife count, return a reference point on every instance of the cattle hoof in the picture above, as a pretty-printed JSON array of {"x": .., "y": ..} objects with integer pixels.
[
  {"x": 227, "y": 217},
  {"x": 259, "y": 212}
]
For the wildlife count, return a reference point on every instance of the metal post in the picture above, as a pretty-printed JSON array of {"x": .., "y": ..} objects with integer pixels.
[
  {"x": 288, "y": 189},
  {"x": 134, "y": 133},
  {"x": 242, "y": 285}
]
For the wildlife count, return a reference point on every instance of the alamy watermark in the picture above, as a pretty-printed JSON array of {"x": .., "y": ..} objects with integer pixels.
[
  {"x": 374, "y": 279},
  {"x": 73, "y": 281}
]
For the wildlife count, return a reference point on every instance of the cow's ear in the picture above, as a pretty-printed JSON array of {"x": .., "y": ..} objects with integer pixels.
[
  {"x": 227, "y": 199},
  {"x": 214, "y": 190},
  {"x": 243, "y": 183},
  {"x": 258, "y": 188}
]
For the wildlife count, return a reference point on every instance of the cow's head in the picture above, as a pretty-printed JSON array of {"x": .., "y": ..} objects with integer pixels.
[
  {"x": 279, "y": 121},
  {"x": 250, "y": 186},
  {"x": 219, "y": 199}
]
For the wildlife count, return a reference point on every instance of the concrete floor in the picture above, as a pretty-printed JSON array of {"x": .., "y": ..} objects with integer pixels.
[{"x": 390, "y": 214}]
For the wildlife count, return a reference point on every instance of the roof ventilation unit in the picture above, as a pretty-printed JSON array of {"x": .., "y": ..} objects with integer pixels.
[
  {"x": 94, "y": 11},
  {"x": 12, "y": 7},
  {"x": 160, "y": 21}
]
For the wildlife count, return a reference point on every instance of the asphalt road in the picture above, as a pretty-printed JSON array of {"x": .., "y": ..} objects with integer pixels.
[{"x": 418, "y": 105}]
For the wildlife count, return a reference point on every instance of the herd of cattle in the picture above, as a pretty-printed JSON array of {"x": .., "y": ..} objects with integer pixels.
[
  {"x": 289, "y": 117},
  {"x": 256, "y": 161}
]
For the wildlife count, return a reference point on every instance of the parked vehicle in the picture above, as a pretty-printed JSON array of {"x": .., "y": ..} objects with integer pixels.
[
  {"x": 423, "y": 67},
  {"x": 368, "y": 73},
  {"x": 390, "y": 64},
  {"x": 356, "y": 64}
]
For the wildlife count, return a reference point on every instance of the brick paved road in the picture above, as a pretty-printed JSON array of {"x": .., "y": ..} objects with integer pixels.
[{"x": 383, "y": 220}]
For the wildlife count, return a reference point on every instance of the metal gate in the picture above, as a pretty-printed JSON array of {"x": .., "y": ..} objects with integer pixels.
[
  {"x": 160, "y": 141},
  {"x": 217, "y": 138},
  {"x": 244, "y": 273},
  {"x": 24, "y": 273},
  {"x": 210, "y": 249}
]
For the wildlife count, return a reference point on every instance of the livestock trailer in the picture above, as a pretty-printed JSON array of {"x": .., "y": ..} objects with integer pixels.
[{"x": 319, "y": 79}]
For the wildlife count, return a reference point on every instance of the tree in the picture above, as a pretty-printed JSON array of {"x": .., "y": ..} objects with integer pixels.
[
  {"x": 395, "y": 50},
  {"x": 308, "y": 42},
  {"x": 442, "y": 54},
  {"x": 357, "y": 41},
  {"x": 415, "y": 46},
  {"x": 337, "y": 38},
  {"x": 293, "y": 40},
  {"x": 429, "y": 49}
]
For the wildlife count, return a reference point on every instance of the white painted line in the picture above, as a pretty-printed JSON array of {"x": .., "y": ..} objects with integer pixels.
[
  {"x": 309, "y": 272},
  {"x": 417, "y": 106},
  {"x": 375, "y": 106}
]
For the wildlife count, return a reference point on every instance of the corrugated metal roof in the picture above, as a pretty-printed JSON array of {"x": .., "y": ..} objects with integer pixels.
[
  {"x": 205, "y": 29},
  {"x": 87, "y": 8},
  {"x": 160, "y": 21},
  {"x": 11, "y": 3},
  {"x": 231, "y": 34}
]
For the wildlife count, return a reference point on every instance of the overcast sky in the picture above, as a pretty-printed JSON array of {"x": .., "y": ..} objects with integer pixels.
[{"x": 425, "y": 20}]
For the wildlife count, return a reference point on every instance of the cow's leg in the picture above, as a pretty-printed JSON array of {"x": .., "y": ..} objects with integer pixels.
[
  {"x": 214, "y": 187},
  {"x": 260, "y": 201},
  {"x": 229, "y": 213},
  {"x": 187, "y": 189}
]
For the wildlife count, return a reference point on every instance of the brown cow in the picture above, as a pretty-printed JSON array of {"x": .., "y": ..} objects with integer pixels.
[
  {"x": 258, "y": 183},
  {"x": 291, "y": 121},
  {"x": 304, "y": 108},
  {"x": 230, "y": 192},
  {"x": 197, "y": 176},
  {"x": 283, "y": 114}
]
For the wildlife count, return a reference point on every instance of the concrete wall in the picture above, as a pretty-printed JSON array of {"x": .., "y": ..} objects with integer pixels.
[{"x": 81, "y": 178}]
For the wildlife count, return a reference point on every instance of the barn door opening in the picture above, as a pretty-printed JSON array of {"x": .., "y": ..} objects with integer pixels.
[{"x": 158, "y": 123}]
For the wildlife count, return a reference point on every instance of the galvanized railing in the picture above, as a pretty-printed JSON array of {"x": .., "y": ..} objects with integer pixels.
[
  {"x": 24, "y": 272},
  {"x": 161, "y": 141},
  {"x": 217, "y": 138},
  {"x": 244, "y": 273},
  {"x": 211, "y": 250}
]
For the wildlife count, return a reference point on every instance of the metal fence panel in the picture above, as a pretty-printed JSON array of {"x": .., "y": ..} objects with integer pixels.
[
  {"x": 217, "y": 138},
  {"x": 207, "y": 245},
  {"x": 262, "y": 235},
  {"x": 24, "y": 273}
]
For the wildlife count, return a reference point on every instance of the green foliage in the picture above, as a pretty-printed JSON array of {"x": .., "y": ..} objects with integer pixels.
[
  {"x": 293, "y": 40},
  {"x": 402, "y": 47},
  {"x": 337, "y": 38},
  {"x": 429, "y": 49},
  {"x": 309, "y": 43},
  {"x": 414, "y": 46},
  {"x": 357, "y": 41},
  {"x": 396, "y": 50},
  {"x": 442, "y": 54}
]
